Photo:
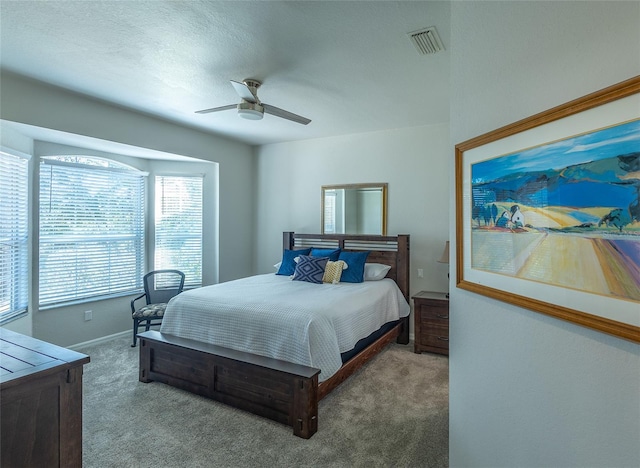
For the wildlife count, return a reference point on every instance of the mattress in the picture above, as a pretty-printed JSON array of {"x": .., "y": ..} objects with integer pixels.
[{"x": 271, "y": 315}]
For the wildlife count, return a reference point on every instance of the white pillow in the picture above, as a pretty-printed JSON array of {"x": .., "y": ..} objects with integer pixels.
[
  {"x": 277, "y": 265},
  {"x": 375, "y": 271}
]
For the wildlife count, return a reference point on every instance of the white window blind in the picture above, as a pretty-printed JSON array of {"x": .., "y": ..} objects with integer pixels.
[
  {"x": 330, "y": 212},
  {"x": 91, "y": 229},
  {"x": 14, "y": 206},
  {"x": 178, "y": 226}
]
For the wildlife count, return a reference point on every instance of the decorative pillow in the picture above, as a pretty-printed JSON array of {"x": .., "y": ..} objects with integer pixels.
[
  {"x": 356, "y": 261},
  {"x": 333, "y": 271},
  {"x": 288, "y": 265},
  {"x": 375, "y": 271},
  {"x": 330, "y": 253},
  {"x": 310, "y": 269}
]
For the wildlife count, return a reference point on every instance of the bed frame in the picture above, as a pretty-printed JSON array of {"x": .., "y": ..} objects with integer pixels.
[{"x": 279, "y": 390}]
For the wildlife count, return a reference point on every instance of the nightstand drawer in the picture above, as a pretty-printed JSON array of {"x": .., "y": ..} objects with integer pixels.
[
  {"x": 435, "y": 341},
  {"x": 437, "y": 315},
  {"x": 435, "y": 327}
]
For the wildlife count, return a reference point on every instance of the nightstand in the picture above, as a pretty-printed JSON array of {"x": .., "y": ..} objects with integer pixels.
[{"x": 431, "y": 322}]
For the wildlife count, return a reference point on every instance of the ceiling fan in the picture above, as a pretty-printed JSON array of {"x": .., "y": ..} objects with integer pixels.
[{"x": 251, "y": 108}]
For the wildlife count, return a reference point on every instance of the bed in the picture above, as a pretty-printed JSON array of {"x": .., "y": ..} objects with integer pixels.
[{"x": 278, "y": 381}]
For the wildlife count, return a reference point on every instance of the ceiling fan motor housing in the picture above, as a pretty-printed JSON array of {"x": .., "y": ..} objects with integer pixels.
[{"x": 253, "y": 85}]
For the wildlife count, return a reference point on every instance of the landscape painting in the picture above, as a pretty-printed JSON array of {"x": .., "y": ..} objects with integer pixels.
[
  {"x": 564, "y": 213},
  {"x": 548, "y": 212}
]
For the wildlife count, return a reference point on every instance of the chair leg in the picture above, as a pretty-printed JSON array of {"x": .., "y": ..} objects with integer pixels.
[
  {"x": 136, "y": 323},
  {"x": 147, "y": 326}
]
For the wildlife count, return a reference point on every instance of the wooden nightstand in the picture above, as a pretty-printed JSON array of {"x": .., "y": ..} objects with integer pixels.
[{"x": 431, "y": 322}]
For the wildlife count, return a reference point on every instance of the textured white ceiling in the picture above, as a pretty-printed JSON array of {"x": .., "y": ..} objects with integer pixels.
[{"x": 346, "y": 65}]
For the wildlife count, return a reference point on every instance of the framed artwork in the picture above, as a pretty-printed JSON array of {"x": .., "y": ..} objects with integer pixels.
[{"x": 548, "y": 212}]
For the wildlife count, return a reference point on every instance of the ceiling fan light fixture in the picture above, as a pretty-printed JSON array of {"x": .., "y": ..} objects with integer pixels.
[{"x": 250, "y": 111}]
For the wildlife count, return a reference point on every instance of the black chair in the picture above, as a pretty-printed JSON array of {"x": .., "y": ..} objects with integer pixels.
[{"x": 159, "y": 287}]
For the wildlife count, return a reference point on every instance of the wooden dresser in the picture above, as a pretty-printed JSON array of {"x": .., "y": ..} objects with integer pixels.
[
  {"x": 431, "y": 322},
  {"x": 41, "y": 403}
]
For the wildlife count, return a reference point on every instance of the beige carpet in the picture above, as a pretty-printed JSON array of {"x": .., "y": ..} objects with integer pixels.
[{"x": 393, "y": 412}]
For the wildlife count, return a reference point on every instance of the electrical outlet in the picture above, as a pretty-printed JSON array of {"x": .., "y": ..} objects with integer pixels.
[
  {"x": 88, "y": 315},
  {"x": 420, "y": 273}
]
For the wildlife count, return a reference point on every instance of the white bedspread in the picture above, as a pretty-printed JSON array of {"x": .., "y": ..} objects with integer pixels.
[{"x": 295, "y": 321}]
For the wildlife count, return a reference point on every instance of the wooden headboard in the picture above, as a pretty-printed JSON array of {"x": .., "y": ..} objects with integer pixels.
[{"x": 390, "y": 250}]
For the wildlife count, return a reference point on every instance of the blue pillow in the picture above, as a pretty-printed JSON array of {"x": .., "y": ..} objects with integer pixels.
[
  {"x": 356, "y": 261},
  {"x": 288, "y": 265},
  {"x": 310, "y": 269},
  {"x": 329, "y": 253}
]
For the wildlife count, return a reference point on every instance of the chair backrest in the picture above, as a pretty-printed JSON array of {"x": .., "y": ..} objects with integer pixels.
[{"x": 162, "y": 285}]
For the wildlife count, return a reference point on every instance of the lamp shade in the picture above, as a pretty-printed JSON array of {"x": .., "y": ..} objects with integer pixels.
[{"x": 444, "y": 258}]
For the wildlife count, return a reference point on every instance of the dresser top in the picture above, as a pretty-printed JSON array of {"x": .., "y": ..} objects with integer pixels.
[{"x": 22, "y": 356}]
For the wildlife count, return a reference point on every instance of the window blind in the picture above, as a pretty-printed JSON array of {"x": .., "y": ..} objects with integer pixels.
[
  {"x": 91, "y": 231},
  {"x": 178, "y": 226},
  {"x": 14, "y": 206},
  {"x": 330, "y": 212}
]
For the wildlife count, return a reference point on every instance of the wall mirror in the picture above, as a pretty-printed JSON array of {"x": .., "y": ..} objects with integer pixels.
[{"x": 354, "y": 209}]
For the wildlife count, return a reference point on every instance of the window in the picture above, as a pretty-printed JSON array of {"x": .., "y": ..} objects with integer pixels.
[
  {"x": 91, "y": 229},
  {"x": 178, "y": 226},
  {"x": 14, "y": 206}
]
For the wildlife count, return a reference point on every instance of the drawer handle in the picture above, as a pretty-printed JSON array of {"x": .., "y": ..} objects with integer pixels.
[
  {"x": 442, "y": 316},
  {"x": 442, "y": 338}
]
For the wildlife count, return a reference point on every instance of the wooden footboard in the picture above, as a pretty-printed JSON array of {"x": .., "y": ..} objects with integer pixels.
[{"x": 278, "y": 390}]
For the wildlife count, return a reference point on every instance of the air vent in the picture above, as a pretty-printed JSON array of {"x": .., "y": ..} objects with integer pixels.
[{"x": 426, "y": 41}]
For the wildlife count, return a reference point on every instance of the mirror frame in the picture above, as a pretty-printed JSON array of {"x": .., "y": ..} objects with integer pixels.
[{"x": 382, "y": 186}]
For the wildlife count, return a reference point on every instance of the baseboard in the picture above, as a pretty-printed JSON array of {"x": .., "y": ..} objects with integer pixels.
[{"x": 102, "y": 339}]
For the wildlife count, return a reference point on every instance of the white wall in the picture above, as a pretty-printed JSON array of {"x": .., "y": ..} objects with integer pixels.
[
  {"x": 413, "y": 161},
  {"x": 528, "y": 390},
  {"x": 28, "y": 102}
]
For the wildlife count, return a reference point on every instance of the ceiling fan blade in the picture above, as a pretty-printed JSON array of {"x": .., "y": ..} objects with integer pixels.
[
  {"x": 216, "y": 109},
  {"x": 244, "y": 91},
  {"x": 285, "y": 114}
]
